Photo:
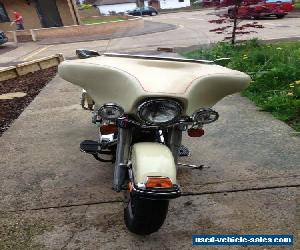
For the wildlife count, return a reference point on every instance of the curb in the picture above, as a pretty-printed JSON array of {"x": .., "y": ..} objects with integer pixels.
[
  {"x": 193, "y": 10},
  {"x": 199, "y": 46},
  {"x": 30, "y": 67},
  {"x": 94, "y": 38},
  {"x": 35, "y": 35}
]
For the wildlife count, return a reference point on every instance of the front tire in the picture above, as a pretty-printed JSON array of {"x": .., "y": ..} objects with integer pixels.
[{"x": 144, "y": 216}]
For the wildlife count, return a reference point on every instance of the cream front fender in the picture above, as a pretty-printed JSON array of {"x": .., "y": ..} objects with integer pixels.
[{"x": 152, "y": 159}]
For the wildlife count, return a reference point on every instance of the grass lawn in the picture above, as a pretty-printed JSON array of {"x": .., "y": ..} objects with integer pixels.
[
  {"x": 275, "y": 73},
  {"x": 101, "y": 20}
]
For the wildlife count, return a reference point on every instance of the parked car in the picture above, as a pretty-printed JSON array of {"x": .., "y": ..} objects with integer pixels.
[
  {"x": 141, "y": 11},
  {"x": 256, "y": 9},
  {"x": 3, "y": 37}
]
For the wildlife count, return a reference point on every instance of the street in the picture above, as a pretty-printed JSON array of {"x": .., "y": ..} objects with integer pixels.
[{"x": 52, "y": 196}]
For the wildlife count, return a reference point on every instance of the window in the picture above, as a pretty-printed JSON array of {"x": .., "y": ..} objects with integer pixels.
[
  {"x": 3, "y": 14},
  {"x": 181, "y": 1}
]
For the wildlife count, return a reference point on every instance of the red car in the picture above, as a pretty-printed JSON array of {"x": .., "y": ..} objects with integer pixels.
[{"x": 258, "y": 8}]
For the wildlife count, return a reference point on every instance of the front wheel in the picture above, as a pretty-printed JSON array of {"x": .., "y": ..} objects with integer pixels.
[
  {"x": 144, "y": 216},
  {"x": 280, "y": 16}
]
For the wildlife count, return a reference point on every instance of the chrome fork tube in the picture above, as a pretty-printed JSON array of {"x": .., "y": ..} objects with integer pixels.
[
  {"x": 174, "y": 141},
  {"x": 122, "y": 155}
]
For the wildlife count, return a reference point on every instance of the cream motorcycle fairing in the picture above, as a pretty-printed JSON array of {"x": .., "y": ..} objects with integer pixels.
[
  {"x": 127, "y": 81},
  {"x": 152, "y": 159}
]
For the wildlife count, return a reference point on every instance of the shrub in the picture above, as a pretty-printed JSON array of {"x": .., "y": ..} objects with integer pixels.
[{"x": 275, "y": 73}]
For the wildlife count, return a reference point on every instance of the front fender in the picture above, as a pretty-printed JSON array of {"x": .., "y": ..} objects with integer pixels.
[{"x": 152, "y": 159}]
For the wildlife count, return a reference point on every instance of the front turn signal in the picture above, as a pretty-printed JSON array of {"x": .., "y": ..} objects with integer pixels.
[{"x": 159, "y": 182}]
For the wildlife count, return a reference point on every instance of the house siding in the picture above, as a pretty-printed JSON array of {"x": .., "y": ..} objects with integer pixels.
[
  {"x": 64, "y": 12},
  {"x": 172, "y": 4},
  {"x": 105, "y": 9},
  {"x": 30, "y": 15}
]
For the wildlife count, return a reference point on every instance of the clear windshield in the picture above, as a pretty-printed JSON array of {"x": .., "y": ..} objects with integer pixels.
[{"x": 160, "y": 34}]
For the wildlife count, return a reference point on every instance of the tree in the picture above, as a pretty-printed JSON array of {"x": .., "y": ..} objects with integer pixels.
[{"x": 233, "y": 18}]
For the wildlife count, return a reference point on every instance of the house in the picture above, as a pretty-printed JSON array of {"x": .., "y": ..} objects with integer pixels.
[
  {"x": 168, "y": 4},
  {"x": 39, "y": 13},
  {"x": 108, "y": 6}
]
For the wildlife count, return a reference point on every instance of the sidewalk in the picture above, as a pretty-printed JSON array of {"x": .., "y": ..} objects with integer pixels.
[
  {"x": 52, "y": 196},
  {"x": 13, "y": 54}
]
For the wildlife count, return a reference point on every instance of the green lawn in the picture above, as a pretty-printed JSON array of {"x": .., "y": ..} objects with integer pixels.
[
  {"x": 275, "y": 73},
  {"x": 101, "y": 20}
]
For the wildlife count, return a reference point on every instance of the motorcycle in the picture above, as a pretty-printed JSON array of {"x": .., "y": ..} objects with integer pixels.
[{"x": 143, "y": 104}]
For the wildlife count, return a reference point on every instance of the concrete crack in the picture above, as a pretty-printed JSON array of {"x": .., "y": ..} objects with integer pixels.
[
  {"x": 183, "y": 194},
  {"x": 74, "y": 232},
  {"x": 68, "y": 241},
  {"x": 64, "y": 206},
  {"x": 238, "y": 190}
]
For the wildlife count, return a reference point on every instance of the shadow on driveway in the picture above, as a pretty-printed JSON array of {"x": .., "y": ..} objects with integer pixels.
[{"x": 7, "y": 47}]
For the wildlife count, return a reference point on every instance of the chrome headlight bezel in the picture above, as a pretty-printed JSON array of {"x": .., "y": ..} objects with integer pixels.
[
  {"x": 205, "y": 116},
  {"x": 176, "y": 105},
  {"x": 119, "y": 111}
]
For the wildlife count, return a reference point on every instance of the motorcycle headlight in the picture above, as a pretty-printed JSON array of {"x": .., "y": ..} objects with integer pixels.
[
  {"x": 159, "y": 111},
  {"x": 110, "y": 111}
]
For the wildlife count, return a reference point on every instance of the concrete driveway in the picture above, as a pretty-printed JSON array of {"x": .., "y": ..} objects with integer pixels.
[{"x": 54, "y": 197}]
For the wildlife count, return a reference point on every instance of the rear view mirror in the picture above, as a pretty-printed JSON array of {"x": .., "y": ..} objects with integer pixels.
[{"x": 85, "y": 53}]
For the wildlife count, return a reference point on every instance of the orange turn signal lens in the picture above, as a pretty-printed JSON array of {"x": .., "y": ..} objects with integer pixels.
[
  {"x": 108, "y": 129},
  {"x": 159, "y": 182}
]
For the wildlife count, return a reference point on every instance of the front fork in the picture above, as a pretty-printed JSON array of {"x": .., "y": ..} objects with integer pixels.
[
  {"x": 173, "y": 141},
  {"x": 122, "y": 155}
]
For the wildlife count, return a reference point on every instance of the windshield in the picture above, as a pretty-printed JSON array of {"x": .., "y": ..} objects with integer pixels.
[
  {"x": 160, "y": 28},
  {"x": 211, "y": 30},
  {"x": 257, "y": 37},
  {"x": 156, "y": 33}
]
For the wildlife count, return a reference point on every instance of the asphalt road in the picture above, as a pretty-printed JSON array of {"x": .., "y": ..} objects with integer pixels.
[{"x": 54, "y": 197}]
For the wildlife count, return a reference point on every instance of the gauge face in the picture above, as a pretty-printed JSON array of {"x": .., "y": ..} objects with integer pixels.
[{"x": 159, "y": 111}]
